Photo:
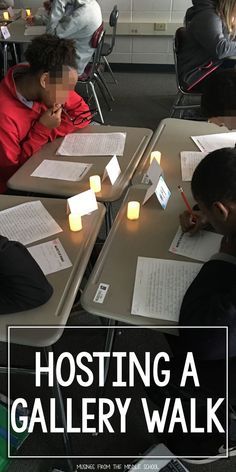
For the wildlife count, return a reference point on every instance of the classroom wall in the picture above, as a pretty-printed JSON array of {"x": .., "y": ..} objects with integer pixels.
[
  {"x": 136, "y": 44},
  {"x": 145, "y": 48}
]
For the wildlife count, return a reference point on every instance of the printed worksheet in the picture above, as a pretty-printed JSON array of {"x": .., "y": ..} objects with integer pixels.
[
  {"x": 200, "y": 246},
  {"x": 211, "y": 142},
  {"x": 50, "y": 256},
  {"x": 92, "y": 144},
  {"x": 72, "y": 171},
  {"x": 28, "y": 223},
  {"x": 160, "y": 286},
  {"x": 34, "y": 30},
  {"x": 189, "y": 162}
]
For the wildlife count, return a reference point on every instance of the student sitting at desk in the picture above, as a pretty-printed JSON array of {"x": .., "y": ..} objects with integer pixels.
[
  {"x": 209, "y": 40},
  {"x": 38, "y": 103},
  {"x": 22, "y": 284},
  {"x": 211, "y": 298},
  {"x": 218, "y": 100},
  {"x": 77, "y": 19}
]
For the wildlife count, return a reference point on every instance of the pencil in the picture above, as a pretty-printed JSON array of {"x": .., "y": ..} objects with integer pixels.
[{"x": 186, "y": 202}]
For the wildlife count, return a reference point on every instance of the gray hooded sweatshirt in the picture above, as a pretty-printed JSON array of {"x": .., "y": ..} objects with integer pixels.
[
  {"x": 207, "y": 37},
  {"x": 74, "y": 19}
]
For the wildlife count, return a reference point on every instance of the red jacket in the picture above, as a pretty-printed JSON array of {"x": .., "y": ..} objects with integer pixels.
[{"x": 21, "y": 134}]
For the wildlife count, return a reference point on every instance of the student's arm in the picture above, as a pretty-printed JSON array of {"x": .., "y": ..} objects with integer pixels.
[
  {"x": 22, "y": 284},
  {"x": 208, "y": 31},
  {"x": 56, "y": 14},
  {"x": 211, "y": 298}
]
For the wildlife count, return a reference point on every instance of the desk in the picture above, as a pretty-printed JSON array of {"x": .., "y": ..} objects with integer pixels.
[
  {"x": 151, "y": 235},
  {"x": 16, "y": 29},
  {"x": 78, "y": 247},
  {"x": 171, "y": 137},
  {"x": 136, "y": 143}
]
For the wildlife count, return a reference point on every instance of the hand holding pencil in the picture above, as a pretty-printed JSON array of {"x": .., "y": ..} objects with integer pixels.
[{"x": 190, "y": 220}]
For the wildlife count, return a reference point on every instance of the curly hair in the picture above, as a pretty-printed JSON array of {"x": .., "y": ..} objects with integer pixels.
[{"x": 48, "y": 53}]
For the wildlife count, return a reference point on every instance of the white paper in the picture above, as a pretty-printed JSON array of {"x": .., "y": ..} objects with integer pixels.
[
  {"x": 189, "y": 162},
  {"x": 72, "y": 171},
  {"x": 27, "y": 223},
  {"x": 50, "y": 256},
  {"x": 154, "y": 171},
  {"x": 34, "y": 30},
  {"x": 92, "y": 144},
  {"x": 113, "y": 170},
  {"x": 200, "y": 246},
  {"x": 83, "y": 203},
  {"x": 160, "y": 286},
  {"x": 211, "y": 142}
]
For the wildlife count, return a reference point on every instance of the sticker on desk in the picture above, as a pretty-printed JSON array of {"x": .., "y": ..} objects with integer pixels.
[
  {"x": 101, "y": 293},
  {"x": 5, "y": 32}
]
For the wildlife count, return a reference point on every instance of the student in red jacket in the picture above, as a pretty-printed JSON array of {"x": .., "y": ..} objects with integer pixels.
[{"x": 38, "y": 102}]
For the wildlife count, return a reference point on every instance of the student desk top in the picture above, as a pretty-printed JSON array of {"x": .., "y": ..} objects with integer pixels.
[
  {"x": 151, "y": 235},
  {"x": 17, "y": 29},
  {"x": 171, "y": 137},
  {"x": 135, "y": 145},
  {"x": 78, "y": 247}
]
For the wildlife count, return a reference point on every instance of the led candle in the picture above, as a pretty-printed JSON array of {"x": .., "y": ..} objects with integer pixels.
[
  {"x": 75, "y": 222},
  {"x": 155, "y": 155},
  {"x": 28, "y": 12},
  {"x": 95, "y": 183},
  {"x": 6, "y": 15},
  {"x": 133, "y": 210}
]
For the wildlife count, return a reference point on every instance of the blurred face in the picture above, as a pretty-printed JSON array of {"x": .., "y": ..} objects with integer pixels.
[{"x": 55, "y": 90}]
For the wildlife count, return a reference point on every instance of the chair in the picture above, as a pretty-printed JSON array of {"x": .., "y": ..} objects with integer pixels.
[
  {"x": 108, "y": 48},
  {"x": 90, "y": 77},
  {"x": 179, "y": 38}
]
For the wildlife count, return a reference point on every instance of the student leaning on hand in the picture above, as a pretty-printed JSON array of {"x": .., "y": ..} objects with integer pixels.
[{"x": 38, "y": 102}]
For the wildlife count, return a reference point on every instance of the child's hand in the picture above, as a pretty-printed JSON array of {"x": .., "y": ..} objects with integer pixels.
[
  {"x": 192, "y": 223},
  {"x": 30, "y": 20},
  {"x": 51, "y": 118},
  {"x": 228, "y": 245}
]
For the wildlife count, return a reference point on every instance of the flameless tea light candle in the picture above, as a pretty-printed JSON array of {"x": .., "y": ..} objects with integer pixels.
[
  {"x": 95, "y": 183},
  {"x": 155, "y": 155},
  {"x": 133, "y": 210},
  {"x": 6, "y": 15},
  {"x": 28, "y": 12},
  {"x": 75, "y": 222}
]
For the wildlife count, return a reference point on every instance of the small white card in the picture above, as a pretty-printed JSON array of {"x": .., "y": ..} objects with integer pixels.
[
  {"x": 11, "y": 12},
  {"x": 5, "y": 32},
  {"x": 112, "y": 170},
  {"x": 153, "y": 173},
  {"x": 83, "y": 203},
  {"x": 50, "y": 256},
  {"x": 161, "y": 191}
]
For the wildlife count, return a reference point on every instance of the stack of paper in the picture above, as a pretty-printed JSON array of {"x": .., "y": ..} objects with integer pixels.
[
  {"x": 211, "y": 142},
  {"x": 92, "y": 144},
  {"x": 189, "y": 162},
  {"x": 71, "y": 171},
  {"x": 160, "y": 286},
  {"x": 50, "y": 256},
  {"x": 200, "y": 246},
  {"x": 27, "y": 223}
]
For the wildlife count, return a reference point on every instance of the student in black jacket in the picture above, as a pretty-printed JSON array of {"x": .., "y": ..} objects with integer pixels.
[
  {"x": 22, "y": 283},
  {"x": 210, "y": 33}
]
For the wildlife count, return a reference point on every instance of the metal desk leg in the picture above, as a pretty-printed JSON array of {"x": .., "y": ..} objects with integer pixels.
[
  {"x": 108, "y": 217},
  {"x": 61, "y": 414},
  {"x": 5, "y": 58},
  {"x": 15, "y": 53}
]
